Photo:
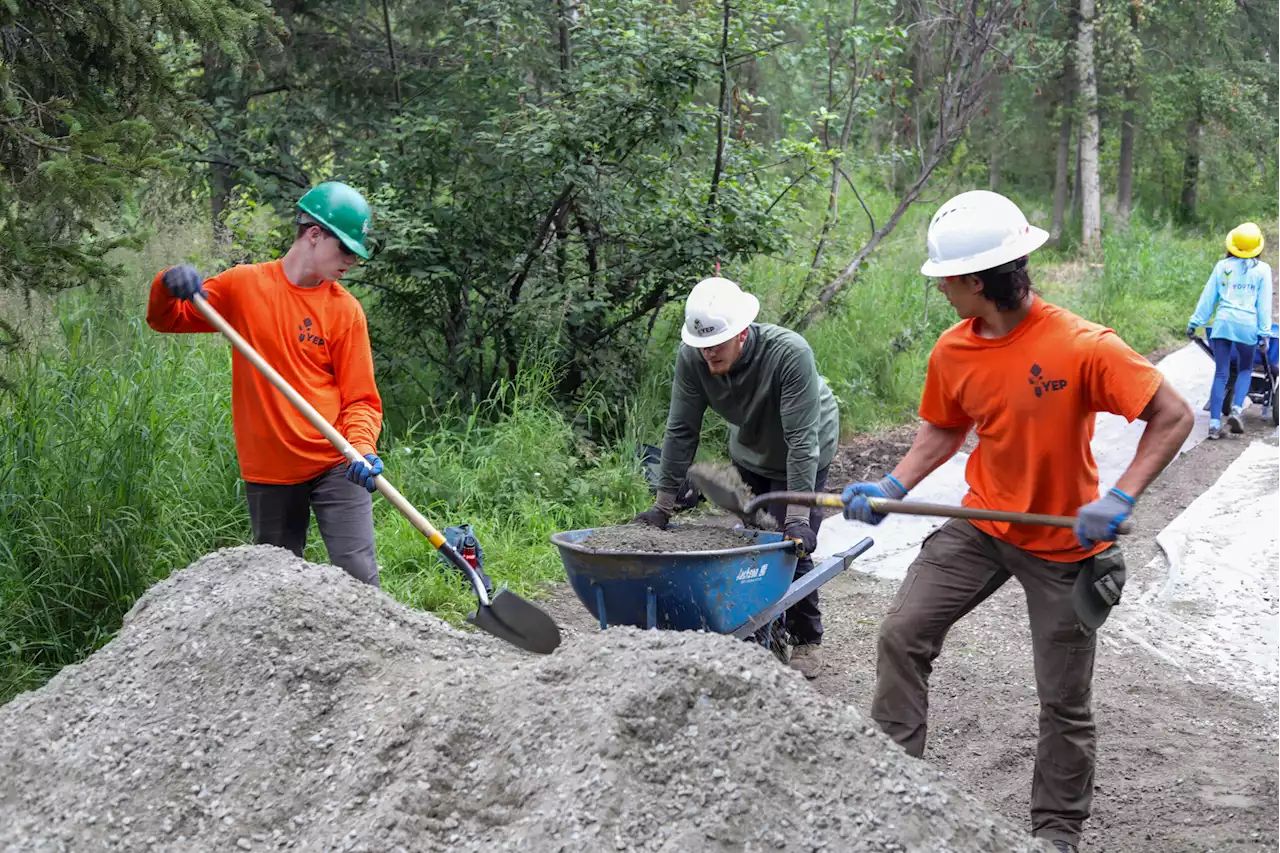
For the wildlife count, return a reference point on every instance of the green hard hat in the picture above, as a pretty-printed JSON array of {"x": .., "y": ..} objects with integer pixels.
[{"x": 342, "y": 210}]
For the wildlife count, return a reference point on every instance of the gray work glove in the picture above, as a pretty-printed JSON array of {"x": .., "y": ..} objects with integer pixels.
[
  {"x": 858, "y": 508},
  {"x": 658, "y": 515},
  {"x": 805, "y": 538},
  {"x": 1099, "y": 521},
  {"x": 183, "y": 281}
]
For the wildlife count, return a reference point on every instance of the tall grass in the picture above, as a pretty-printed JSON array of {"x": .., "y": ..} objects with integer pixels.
[
  {"x": 117, "y": 466},
  {"x": 517, "y": 472}
]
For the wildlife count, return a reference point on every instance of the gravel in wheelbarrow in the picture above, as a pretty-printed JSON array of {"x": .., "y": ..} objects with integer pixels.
[{"x": 651, "y": 540}]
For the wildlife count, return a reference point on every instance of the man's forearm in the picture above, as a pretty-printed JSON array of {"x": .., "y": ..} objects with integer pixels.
[
  {"x": 1169, "y": 422},
  {"x": 933, "y": 446}
]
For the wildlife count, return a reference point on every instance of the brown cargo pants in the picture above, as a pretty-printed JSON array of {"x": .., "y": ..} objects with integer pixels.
[{"x": 958, "y": 567}]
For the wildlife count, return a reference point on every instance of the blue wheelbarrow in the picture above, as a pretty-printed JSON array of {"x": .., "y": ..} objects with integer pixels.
[{"x": 737, "y": 591}]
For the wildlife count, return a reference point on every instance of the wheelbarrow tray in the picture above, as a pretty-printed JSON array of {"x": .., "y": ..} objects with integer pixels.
[{"x": 716, "y": 591}]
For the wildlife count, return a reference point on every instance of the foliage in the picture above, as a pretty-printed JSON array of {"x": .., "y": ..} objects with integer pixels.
[{"x": 90, "y": 108}]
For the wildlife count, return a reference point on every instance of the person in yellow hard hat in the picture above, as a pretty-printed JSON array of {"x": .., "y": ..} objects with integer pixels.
[
  {"x": 314, "y": 333},
  {"x": 1237, "y": 297}
]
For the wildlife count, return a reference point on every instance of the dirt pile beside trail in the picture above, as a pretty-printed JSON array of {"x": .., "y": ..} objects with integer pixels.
[
  {"x": 256, "y": 702},
  {"x": 678, "y": 537}
]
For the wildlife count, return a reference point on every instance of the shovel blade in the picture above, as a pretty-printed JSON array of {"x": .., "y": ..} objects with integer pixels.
[
  {"x": 509, "y": 617},
  {"x": 717, "y": 491}
]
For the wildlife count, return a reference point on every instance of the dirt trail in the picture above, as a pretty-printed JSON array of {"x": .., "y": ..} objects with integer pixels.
[
  {"x": 256, "y": 702},
  {"x": 1181, "y": 767}
]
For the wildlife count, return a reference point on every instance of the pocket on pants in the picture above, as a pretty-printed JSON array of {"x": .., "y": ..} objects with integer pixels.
[{"x": 1068, "y": 672}]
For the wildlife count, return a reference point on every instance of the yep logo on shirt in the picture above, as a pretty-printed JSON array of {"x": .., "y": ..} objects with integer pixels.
[
  {"x": 306, "y": 335},
  {"x": 1042, "y": 384}
]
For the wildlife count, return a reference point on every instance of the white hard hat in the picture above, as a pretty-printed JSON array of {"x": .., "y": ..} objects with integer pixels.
[
  {"x": 978, "y": 231},
  {"x": 716, "y": 310}
]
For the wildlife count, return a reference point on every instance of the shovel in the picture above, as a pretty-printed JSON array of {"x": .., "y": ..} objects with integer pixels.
[
  {"x": 725, "y": 496},
  {"x": 507, "y": 616}
]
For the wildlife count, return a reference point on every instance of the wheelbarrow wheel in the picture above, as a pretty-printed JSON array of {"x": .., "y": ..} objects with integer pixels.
[{"x": 776, "y": 638}]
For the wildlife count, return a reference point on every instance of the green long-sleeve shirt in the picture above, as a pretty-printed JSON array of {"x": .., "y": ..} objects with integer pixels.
[{"x": 784, "y": 423}]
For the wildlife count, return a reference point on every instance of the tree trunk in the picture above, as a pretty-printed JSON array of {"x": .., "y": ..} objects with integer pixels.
[
  {"x": 722, "y": 115},
  {"x": 1124, "y": 182},
  {"x": 1191, "y": 167},
  {"x": 996, "y": 143},
  {"x": 220, "y": 78},
  {"x": 1062, "y": 178},
  {"x": 1091, "y": 195}
]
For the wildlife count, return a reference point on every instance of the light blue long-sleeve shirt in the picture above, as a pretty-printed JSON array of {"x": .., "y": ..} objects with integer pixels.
[{"x": 1239, "y": 291}]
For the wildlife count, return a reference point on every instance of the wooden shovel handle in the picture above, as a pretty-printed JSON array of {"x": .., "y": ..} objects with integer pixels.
[
  {"x": 339, "y": 442},
  {"x": 885, "y": 505},
  {"x": 975, "y": 514}
]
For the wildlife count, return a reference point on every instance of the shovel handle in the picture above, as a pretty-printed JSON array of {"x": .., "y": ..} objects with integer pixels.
[
  {"x": 340, "y": 443},
  {"x": 885, "y": 505},
  {"x": 822, "y": 499}
]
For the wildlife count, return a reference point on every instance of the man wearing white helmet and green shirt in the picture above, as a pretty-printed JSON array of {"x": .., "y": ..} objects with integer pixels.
[
  {"x": 313, "y": 332},
  {"x": 784, "y": 424},
  {"x": 1029, "y": 377}
]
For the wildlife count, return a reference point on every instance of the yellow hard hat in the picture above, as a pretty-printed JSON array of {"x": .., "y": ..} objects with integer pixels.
[{"x": 1246, "y": 241}]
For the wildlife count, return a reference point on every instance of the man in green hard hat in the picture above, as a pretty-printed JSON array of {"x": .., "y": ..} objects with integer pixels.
[{"x": 314, "y": 333}]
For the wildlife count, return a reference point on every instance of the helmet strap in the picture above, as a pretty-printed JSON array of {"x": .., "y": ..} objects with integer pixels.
[{"x": 1012, "y": 266}]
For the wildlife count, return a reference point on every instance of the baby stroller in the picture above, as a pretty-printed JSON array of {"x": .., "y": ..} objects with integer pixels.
[{"x": 1262, "y": 384}]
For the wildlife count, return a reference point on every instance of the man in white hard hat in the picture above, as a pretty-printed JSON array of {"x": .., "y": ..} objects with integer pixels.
[
  {"x": 1029, "y": 377},
  {"x": 784, "y": 424}
]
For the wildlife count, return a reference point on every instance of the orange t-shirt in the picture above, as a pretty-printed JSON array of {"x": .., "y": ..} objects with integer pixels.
[
  {"x": 316, "y": 338},
  {"x": 1033, "y": 395}
]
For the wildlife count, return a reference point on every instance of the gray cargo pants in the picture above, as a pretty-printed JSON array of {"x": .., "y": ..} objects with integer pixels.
[
  {"x": 280, "y": 515},
  {"x": 958, "y": 567}
]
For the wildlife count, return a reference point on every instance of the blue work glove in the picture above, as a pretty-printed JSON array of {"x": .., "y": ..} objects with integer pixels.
[
  {"x": 1191, "y": 332},
  {"x": 362, "y": 473},
  {"x": 183, "y": 281},
  {"x": 858, "y": 508},
  {"x": 1098, "y": 521},
  {"x": 799, "y": 530}
]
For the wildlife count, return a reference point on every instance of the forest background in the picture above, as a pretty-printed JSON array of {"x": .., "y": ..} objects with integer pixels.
[{"x": 549, "y": 180}]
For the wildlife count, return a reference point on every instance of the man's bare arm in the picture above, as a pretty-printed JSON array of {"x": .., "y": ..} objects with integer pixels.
[
  {"x": 933, "y": 446},
  {"x": 1169, "y": 421}
]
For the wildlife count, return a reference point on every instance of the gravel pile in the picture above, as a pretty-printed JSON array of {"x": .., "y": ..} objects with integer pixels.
[
  {"x": 678, "y": 537},
  {"x": 257, "y": 702}
]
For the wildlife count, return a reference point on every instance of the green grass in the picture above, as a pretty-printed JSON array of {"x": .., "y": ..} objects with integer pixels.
[
  {"x": 115, "y": 467},
  {"x": 120, "y": 467}
]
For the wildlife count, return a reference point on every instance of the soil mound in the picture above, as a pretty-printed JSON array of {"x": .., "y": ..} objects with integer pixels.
[{"x": 257, "y": 702}]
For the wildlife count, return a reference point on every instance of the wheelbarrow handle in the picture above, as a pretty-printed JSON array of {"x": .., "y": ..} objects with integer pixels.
[{"x": 885, "y": 505}]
